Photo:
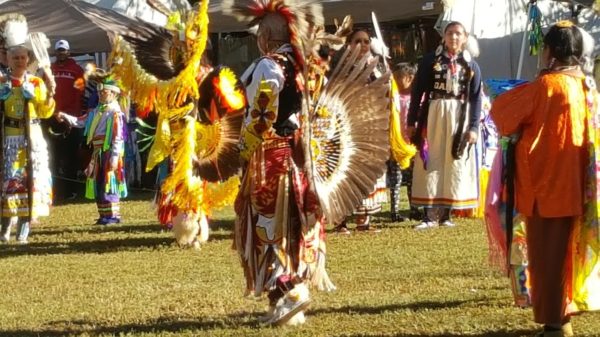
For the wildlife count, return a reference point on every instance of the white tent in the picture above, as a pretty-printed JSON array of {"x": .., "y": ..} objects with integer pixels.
[
  {"x": 499, "y": 26},
  {"x": 133, "y": 9},
  {"x": 139, "y": 9}
]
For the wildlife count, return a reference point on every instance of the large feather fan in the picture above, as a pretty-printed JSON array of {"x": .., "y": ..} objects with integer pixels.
[
  {"x": 349, "y": 142},
  {"x": 151, "y": 44}
]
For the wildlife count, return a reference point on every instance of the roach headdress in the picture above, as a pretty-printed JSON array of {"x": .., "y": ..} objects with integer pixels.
[{"x": 302, "y": 16}]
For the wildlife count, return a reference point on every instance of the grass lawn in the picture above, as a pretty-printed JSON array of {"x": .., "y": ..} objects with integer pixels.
[{"x": 79, "y": 279}]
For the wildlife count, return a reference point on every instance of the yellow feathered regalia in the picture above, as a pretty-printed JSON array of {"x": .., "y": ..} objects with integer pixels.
[{"x": 199, "y": 111}]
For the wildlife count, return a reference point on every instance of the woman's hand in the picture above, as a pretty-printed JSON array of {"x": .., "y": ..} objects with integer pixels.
[
  {"x": 471, "y": 137},
  {"x": 63, "y": 117},
  {"x": 114, "y": 163}
]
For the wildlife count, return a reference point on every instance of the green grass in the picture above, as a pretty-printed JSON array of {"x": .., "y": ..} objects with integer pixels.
[{"x": 76, "y": 278}]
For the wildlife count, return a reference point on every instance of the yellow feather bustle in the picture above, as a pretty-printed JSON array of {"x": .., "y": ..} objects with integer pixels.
[
  {"x": 162, "y": 146},
  {"x": 219, "y": 195},
  {"x": 178, "y": 135},
  {"x": 402, "y": 151},
  {"x": 190, "y": 194},
  {"x": 163, "y": 96},
  {"x": 186, "y": 188}
]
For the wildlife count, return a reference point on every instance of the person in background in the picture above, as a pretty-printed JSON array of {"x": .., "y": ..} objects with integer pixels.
[
  {"x": 372, "y": 204},
  {"x": 445, "y": 106},
  {"x": 26, "y": 182},
  {"x": 105, "y": 131},
  {"x": 69, "y": 99},
  {"x": 3, "y": 59},
  {"x": 553, "y": 116},
  {"x": 404, "y": 76}
]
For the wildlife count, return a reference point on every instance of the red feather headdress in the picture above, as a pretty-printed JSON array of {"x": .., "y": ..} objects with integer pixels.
[{"x": 302, "y": 16}]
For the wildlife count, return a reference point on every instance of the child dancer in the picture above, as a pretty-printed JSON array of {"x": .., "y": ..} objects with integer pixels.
[{"x": 104, "y": 130}]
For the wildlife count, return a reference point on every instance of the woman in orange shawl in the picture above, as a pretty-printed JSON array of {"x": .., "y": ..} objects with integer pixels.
[{"x": 554, "y": 191}]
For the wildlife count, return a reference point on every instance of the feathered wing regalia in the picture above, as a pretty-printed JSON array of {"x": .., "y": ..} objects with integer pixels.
[
  {"x": 199, "y": 111},
  {"x": 308, "y": 163}
]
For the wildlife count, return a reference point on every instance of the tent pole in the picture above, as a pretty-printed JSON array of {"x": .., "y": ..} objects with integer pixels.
[
  {"x": 522, "y": 54},
  {"x": 512, "y": 32}
]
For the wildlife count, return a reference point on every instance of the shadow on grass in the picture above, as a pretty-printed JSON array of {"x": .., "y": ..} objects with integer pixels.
[
  {"x": 377, "y": 310},
  {"x": 220, "y": 224},
  {"x": 80, "y": 198},
  {"x": 175, "y": 325},
  {"x": 93, "y": 247},
  {"x": 381, "y": 220},
  {"x": 219, "y": 232},
  {"x": 501, "y": 333},
  {"x": 95, "y": 229},
  {"x": 161, "y": 325},
  {"x": 97, "y": 247}
]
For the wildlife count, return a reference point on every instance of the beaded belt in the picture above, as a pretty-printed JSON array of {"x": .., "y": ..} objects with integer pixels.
[{"x": 18, "y": 123}]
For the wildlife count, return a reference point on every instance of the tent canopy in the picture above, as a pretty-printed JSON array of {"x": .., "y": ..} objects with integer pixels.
[
  {"x": 58, "y": 19},
  {"x": 140, "y": 9},
  {"x": 386, "y": 10}
]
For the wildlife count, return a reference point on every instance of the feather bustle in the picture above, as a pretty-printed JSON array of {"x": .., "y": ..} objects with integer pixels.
[{"x": 357, "y": 135}]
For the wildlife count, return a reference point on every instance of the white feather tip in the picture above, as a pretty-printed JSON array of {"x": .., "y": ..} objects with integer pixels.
[
  {"x": 472, "y": 46},
  {"x": 378, "y": 47},
  {"x": 15, "y": 32}
]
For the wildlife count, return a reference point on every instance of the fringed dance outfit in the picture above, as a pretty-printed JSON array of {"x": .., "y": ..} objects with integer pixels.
[
  {"x": 309, "y": 157},
  {"x": 106, "y": 181},
  {"x": 278, "y": 231},
  {"x": 26, "y": 178}
]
